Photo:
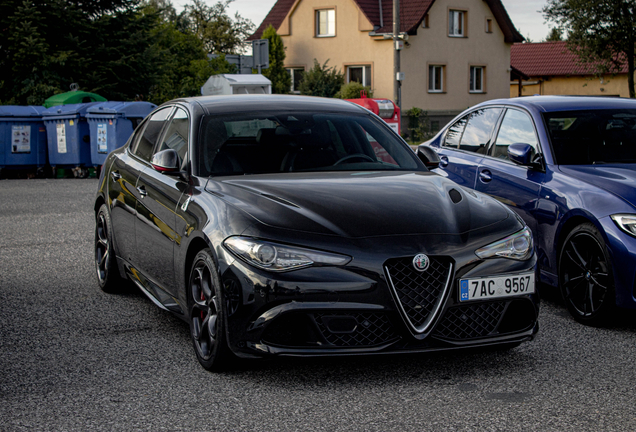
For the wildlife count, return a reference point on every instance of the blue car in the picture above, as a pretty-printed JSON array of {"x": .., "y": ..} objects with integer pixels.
[{"x": 567, "y": 166}]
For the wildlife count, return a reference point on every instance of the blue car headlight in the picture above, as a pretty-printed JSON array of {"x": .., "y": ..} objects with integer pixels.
[
  {"x": 626, "y": 222},
  {"x": 279, "y": 258},
  {"x": 518, "y": 246}
]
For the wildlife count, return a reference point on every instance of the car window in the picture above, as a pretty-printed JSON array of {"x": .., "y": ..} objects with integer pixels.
[
  {"x": 283, "y": 141},
  {"x": 476, "y": 136},
  {"x": 148, "y": 136},
  {"x": 176, "y": 136},
  {"x": 593, "y": 136},
  {"x": 516, "y": 127},
  {"x": 454, "y": 133}
]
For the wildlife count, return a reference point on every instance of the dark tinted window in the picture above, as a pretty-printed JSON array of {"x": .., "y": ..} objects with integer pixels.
[
  {"x": 454, "y": 133},
  {"x": 477, "y": 134},
  {"x": 148, "y": 138},
  {"x": 593, "y": 136},
  {"x": 516, "y": 127},
  {"x": 273, "y": 142},
  {"x": 176, "y": 136}
]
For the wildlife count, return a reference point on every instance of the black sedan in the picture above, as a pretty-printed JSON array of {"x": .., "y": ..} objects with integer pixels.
[{"x": 286, "y": 225}]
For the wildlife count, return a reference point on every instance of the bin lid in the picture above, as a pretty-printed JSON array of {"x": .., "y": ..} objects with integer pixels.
[
  {"x": 72, "y": 97},
  {"x": 21, "y": 111},
  {"x": 68, "y": 111},
  {"x": 124, "y": 109}
]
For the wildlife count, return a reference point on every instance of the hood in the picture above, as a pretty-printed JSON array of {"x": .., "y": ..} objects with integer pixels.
[
  {"x": 360, "y": 204},
  {"x": 618, "y": 179}
]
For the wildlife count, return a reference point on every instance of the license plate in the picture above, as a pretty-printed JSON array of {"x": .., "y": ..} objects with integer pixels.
[{"x": 496, "y": 287}]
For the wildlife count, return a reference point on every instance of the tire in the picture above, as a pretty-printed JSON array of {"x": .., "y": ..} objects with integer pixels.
[
  {"x": 586, "y": 280},
  {"x": 108, "y": 276},
  {"x": 207, "y": 314}
]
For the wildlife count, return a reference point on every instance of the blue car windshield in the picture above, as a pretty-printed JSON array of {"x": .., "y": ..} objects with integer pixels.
[
  {"x": 275, "y": 142},
  {"x": 593, "y": 136}
]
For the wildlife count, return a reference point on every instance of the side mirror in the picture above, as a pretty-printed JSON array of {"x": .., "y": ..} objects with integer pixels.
[
  {"x": 166, "y": 161},
  {"x": 428, "y": 156},
  {"x": 521, "y": 154}
]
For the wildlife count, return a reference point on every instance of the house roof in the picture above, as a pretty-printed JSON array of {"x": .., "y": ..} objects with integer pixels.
[
  {"x": 412, "y": 13},
  {"x": 550, "y": 59}
]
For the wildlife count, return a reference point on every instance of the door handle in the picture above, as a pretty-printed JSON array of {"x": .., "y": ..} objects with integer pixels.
[
  {"x": 443, "y": 160},
  {"x": 115, "y": 175},
  {"x": 485, "y": 176},
  {"x": 142, "y": 191}
]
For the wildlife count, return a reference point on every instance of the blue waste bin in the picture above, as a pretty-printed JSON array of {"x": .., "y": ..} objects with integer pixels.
[
  {"x": 69, "y": 136},
  {"x": 111, "y": 124},
  {"x": 22, "y": 137}
]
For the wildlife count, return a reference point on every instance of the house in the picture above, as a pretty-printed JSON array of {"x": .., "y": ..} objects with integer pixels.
[
  {"x": 456, "y": 52},
  {"x": 550, "y": 68}
]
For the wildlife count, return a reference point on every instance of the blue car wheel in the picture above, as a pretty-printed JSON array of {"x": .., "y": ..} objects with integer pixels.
[{"x": 585, "y": 276}]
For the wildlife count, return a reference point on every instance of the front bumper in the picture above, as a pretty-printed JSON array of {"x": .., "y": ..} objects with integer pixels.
[{"x": 355, "y": 310}]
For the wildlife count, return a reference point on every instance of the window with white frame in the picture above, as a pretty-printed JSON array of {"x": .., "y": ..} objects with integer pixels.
[
  {"x": 456, "y": 23},
  {"x": 296, "y": 75},
  {"x": 325, "y": 22},
  {"x": 477, "y": 79},
  {"x": 359, "y": 73},
  {"x": 435, "y": 79}
]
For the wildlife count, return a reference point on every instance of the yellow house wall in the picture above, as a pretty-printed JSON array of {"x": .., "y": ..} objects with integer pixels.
[
  {"x": 575, "y": 85},
  {"x": 349, "y": 46},
  {"x": 433, "y": 46}
]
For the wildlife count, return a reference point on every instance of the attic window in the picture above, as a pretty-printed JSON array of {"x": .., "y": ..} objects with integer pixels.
[
  {"x": 325, "y": 22},
  {"x": 488, "y": 25},
  {"x": 456, "y": 23},
  {"x": 425, "y": 21}
]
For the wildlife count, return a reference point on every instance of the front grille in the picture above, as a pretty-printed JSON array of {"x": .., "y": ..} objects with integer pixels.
[
  {"x": 419, "y": 293},
  {"x": 372, "y": 329},
  {"x": 470, "y": 321}
]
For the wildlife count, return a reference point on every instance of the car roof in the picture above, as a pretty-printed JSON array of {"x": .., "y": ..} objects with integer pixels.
[
  {"x": 256, "y": 102},
  {"x": 567, "y": 103}
]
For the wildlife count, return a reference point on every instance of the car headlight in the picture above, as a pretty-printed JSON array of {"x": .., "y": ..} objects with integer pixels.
[
  {"x": 279, "y": 258},
  {"x": 626, "y": 222},
  {"x": 518, "y": 246}
]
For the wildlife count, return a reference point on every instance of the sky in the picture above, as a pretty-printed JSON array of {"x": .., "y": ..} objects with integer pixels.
[{"x": 525, "y": 14}]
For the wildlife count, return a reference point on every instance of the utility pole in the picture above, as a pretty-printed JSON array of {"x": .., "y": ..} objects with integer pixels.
[{"x": 397, "y": 46}]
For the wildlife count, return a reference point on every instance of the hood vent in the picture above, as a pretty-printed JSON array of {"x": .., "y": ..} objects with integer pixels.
[{"x": 455, "y": 196}]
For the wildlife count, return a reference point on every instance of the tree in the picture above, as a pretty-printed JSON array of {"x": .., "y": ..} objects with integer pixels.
[
  {"x": 555, "y": 35},
  {"x": 219, "y": 32},
  {"x": 321, "y": 80},
  {"x": 600, "y": 32},
  {"x": 276, "y": 72}
]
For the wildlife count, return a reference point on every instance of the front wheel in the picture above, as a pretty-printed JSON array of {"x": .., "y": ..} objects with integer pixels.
[
  {"x": 207, "y": 314},
  {"x": 108, "y": 276},
  {"x": 585, "y": 276}
]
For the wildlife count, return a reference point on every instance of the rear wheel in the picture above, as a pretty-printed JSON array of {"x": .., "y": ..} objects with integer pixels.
[
  {"x": 585, "y": 276},
  {"x": 108, "y": 276},
  {"x": 207, "y": 308}
]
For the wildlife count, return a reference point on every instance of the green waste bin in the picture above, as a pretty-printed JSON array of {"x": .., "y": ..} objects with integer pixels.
[{"x": 72, "y": 97}]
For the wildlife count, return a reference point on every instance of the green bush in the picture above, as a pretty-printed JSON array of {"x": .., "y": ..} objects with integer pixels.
[
  {"x": 418, "y": 127},
  {"x": 353, "y": 90},
  {"x": 321, "y": 81}
]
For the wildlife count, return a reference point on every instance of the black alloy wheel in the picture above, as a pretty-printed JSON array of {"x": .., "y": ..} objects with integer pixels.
[
  {"x": 585, "y": 276},
  {"x": 207, "y": 314},
  {"x": 108, "y": 276}
]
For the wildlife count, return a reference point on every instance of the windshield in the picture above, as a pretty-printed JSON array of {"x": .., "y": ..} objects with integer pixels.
[
  {"x": 266, "y": 142},
  {"x": 593, "y": 136}
]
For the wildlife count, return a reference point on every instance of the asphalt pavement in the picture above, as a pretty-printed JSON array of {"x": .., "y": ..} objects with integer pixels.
[{"x": 73, "y": 358}]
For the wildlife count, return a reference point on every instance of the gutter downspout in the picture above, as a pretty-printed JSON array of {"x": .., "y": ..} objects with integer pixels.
[{"x": 381, "y": 17}]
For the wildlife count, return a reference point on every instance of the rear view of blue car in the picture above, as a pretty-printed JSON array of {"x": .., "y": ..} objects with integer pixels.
[{"x": 567, "y": 166}]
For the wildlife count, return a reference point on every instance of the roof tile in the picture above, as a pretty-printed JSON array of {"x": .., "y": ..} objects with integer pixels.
[{"x": 549, "y": 59}]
